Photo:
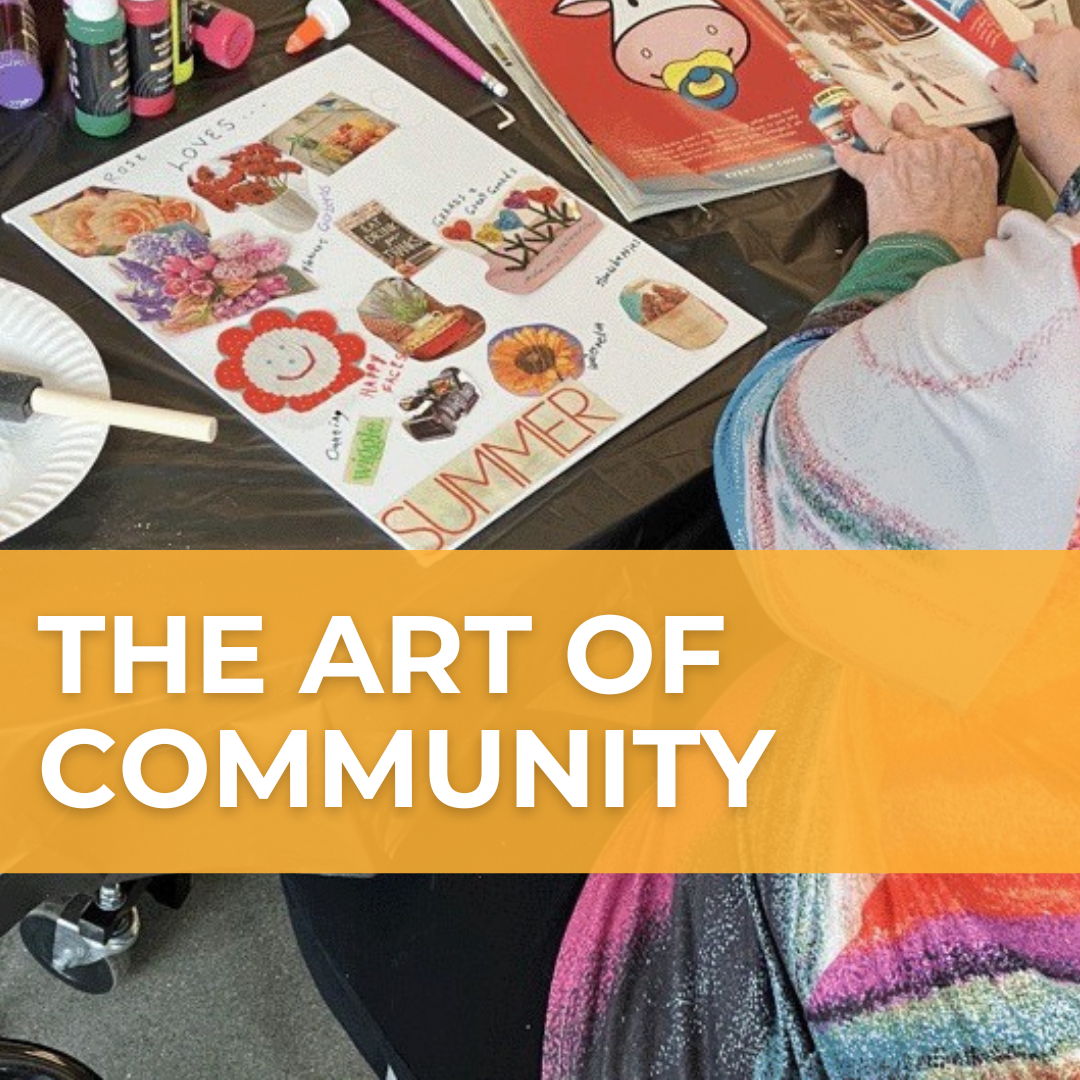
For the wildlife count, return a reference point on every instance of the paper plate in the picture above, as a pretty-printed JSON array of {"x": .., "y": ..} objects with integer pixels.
[{"x": 45, "y": 459}]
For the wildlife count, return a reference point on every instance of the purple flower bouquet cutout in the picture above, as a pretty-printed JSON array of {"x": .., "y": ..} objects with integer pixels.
[{"x": 182, "y": 280}]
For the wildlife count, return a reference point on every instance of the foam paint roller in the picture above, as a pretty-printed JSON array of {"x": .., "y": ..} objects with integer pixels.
[{"x": 23, "y": 396}]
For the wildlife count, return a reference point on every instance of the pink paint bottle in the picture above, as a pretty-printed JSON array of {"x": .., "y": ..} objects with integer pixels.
[
  {"x": 226, "y": 37},
  {"x": 150, "y": 45}
]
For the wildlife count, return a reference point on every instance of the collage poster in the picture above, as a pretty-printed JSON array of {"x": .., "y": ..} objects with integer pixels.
[{"x": 425, "y": 322}]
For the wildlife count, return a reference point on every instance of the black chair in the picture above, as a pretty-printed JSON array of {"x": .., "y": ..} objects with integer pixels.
[{"x": 27, "y": 1061}]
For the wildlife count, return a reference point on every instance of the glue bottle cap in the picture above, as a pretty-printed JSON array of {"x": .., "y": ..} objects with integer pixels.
[
  {"x": 325, "y": 19},
  {"x": 95, "y": 10}
]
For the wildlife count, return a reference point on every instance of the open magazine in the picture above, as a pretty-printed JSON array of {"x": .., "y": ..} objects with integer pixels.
[{"x": 672, "y": 103}]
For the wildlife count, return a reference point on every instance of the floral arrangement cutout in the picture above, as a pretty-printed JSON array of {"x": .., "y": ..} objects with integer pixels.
[
  {"x": 279, "y": 362},
  {"x": 100, "y": 221},
  {"x": 182, "y": 280},
  {"x": 254, "y": 175},
  {"x": 673, "y": 313},
  {"x": 527, "y": 223},
  {"x": 531, "y": 360},
  {"x": 532, "y": 234}
]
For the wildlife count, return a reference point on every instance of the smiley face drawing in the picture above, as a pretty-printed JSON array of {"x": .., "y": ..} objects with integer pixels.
[{"x": 279, "y": 362}]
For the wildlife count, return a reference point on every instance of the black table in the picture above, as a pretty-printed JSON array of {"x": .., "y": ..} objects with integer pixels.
[{"x": 774, "y": 252}]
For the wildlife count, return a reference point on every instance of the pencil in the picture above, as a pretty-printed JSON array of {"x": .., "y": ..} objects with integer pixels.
[{"x": 436, "y": 40}]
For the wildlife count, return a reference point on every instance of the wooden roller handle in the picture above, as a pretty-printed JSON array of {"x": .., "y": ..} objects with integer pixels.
[{"x": 179, "y": 425}]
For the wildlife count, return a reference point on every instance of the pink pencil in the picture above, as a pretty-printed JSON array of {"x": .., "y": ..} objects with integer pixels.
[
  {"x": 447, "y": 48},
  {"x": 329, "y": 19}
]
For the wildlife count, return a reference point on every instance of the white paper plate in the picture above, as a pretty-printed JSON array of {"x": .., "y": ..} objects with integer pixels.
[{"x": 45, "y": 459}]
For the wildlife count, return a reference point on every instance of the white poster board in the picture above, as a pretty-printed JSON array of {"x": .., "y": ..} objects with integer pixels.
[{"x": 419, "y": 317}]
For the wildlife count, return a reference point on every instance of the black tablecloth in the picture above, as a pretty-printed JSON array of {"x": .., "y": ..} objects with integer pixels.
[{"x": 774, "y": 252}]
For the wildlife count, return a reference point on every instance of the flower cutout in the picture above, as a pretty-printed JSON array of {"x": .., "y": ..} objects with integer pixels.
[
  {"x": 508, "y": 221},
  {"x": 458, "y": 230},
  {"x": 531, "y": 360},
  {"x": 545, "y": 196},
  {"x": 279, "y": 362},
  {"x": 516, "y": 200},
  {"x": 489, "y": 234}
]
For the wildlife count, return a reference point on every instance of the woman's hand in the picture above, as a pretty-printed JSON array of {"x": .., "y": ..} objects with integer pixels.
[
  {"x": 1047, "y": 112},
  {"x": 924, "y": 179}
]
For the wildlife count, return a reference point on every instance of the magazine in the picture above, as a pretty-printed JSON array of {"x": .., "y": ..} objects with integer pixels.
[
  {"x": 429, "y": 325},
  {"x": 673, "y": 103}
]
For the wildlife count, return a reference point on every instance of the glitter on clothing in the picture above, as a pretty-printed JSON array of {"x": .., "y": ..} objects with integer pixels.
[{"x": 813, "y": 976}]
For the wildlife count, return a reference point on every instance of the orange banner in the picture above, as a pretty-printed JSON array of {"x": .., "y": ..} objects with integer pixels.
[{"x": 281, "y": 711}]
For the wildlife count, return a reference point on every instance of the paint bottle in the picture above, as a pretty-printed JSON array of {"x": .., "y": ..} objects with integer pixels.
[
  {"x": 150, "y": 53},
  {"x": 183, "y": 57},
  {"x": 98, "y": 66},
  {"x": 225, "y": 37},
  {"x": 21, "y": 81}
]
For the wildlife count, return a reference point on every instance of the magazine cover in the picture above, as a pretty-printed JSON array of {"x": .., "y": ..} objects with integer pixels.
[
  {"x": 671, "y": 103},
  {"x": 424, "y": 321},
  {"x": 684, "y": 100}
]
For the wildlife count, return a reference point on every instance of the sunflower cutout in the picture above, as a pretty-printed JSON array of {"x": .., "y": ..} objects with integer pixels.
[
  {"x": 531, "y": 360},
  {"x": 279, "y": 362}
]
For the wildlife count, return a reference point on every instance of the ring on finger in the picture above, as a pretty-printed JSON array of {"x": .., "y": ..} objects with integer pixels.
[{"x": 883, "y": 146}]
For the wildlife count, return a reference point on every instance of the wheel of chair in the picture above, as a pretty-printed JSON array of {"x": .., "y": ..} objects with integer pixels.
[{"x": 56, "y": 944}]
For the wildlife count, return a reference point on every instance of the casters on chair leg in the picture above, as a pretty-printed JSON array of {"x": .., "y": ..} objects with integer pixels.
[{"x": 85, "y": 942}]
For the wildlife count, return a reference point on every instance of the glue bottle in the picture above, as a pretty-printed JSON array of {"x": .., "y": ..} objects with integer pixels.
[
  {"x": 98, "y": 66},
  {"x": 225, "y": 37},
  {"x": 183, "y": 57},
  {"x": 150, "y": 53}
]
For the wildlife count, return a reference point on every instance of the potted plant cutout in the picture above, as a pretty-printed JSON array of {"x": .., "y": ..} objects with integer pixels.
[
  {"x": 672, "y": 313},
  {"x": 531, "y": 360},
  {"x": 261, "y": 178},
  {"x": 529, "y": 238},
  {"x": 415, "y": 324}
]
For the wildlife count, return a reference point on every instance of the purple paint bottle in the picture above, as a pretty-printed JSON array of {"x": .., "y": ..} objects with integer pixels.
[{"x": 21, "y": 81}]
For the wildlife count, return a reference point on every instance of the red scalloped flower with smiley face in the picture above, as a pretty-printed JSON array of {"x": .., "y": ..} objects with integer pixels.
[{"x": 278, "y": 362}]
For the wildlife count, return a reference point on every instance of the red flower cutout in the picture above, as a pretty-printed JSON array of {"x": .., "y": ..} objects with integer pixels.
[
  {"x": 546, "y": 196},
  {"x": 459, "y": 230},
  {"x": 279, "y": 362}
]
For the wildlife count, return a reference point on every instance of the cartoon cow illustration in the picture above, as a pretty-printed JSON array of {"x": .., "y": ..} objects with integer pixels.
[{"x": 691, "y": 47}]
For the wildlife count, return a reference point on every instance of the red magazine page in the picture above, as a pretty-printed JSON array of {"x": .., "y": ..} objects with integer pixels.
[{"x": 669, "y": 87}]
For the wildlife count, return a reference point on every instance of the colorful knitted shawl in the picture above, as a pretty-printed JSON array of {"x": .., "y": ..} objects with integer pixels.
[
  {"x": 948, "y": 417},
  {"x": 860, "y": 977}
]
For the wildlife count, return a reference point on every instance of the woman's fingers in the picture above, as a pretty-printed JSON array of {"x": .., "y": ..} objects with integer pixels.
[
  {"x": 908, "y": 122},
  {"x": 1033, "y": 48},
  {"x": 870, "y": 129},
  {"x": 1011, "y": 87},
  {"x": 856, "y": 163}
]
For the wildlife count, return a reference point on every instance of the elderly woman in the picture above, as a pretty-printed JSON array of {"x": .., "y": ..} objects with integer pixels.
[{"x": 933, "y": 400}]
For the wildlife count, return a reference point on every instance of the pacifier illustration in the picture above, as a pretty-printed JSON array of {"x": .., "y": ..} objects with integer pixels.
[{"x": 707, "y": 81}]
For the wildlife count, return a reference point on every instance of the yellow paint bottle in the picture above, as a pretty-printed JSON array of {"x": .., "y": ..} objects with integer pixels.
[{"x": 183, "y": 54}]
